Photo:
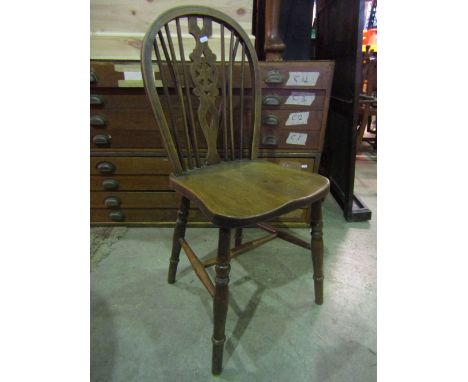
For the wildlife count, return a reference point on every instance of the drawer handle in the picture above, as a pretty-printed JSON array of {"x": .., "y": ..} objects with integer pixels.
[
  {"x": 271, "y": 120},
  {"x": 116, "y": 216},
  {"x": 274, "y": 77},
  {"x": 110, "y": 184},
  {"x": 272, "y": 100},
  {"x": 102, "y": 140},
  {"x": 105, "y": 167},
  {"x": 93, "y": 77},
  {"x": 98, "y": 120},
  {"x": 112, "y": 202},
  {"x": 97, "y": 99},
  {"x": 270, "y": 140}
]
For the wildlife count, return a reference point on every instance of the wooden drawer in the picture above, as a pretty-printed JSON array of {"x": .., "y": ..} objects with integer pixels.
[
  {"x": 284, "y": 138},
  {"x": 130, "y": 99},
  {"x": 293, "y": 100},
  {"x": 130, "y": 183},
  {"x": 145, "y": 139},
  {"x": 123, "y": 119},
  {"x": 132, "y": 165},
  {"x": 124, "y": 200},
  {"x": 296, "y": 74},
  {"x": 158, "y": 215},
  {"x": 279, "y": 119}
]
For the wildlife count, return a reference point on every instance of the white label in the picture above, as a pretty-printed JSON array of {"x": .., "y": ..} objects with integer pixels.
[
  {"x": 304, "y": 99},
  {"x": 203, "y": 39},
  {"x": 132, "y": 75},
  {"x": 297, "y": 118},
  {"x": 296, "y": 139},
  {"x": 304, "y": 166},
  {"x": 302, "y": 78}
]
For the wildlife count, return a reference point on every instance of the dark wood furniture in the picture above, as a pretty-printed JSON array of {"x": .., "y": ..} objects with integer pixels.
[
  {"x": 129, "y": 166},
  {"x": 339, "y": 37},
  {"x": 231, "y": 187}
]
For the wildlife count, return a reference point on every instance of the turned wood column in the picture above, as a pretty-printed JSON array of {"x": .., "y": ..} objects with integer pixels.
[
  {"x": 179, "y": 231},
  {"x": 221, "y": 298},
  {"x": 317, "y": 249}
]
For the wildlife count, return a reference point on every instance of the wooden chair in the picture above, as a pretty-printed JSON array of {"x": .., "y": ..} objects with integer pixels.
[{"x": 230, "y": 186}]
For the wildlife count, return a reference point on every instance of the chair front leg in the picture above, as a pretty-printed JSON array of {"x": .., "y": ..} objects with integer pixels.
[
  {"x": 317, "y": 250},
  {"x": 179, "y": 232},
  {"x": 221, "y": 298}
]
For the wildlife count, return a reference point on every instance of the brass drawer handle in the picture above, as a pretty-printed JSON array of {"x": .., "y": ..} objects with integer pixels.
[
  {"x": 102, "y": 140},
  {"x": 112, "y": 202},
  {"x": 274, "y": 77},
  {"x": 116, "y": 216},
  {"x": 271, "y": 120},
  {"x": 97, "y": 99},
  {"x": 110, "y": 184},
  {"x": 98, "y": 121},
  {"x": 270, "y": 140},
  {"x": 105, "y": 167},
  {"x": 272, "y": 100},
  {"x": 93, "y": 77}
]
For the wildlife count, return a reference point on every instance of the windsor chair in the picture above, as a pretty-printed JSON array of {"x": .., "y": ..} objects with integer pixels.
[{"x": 213, "y": 150}]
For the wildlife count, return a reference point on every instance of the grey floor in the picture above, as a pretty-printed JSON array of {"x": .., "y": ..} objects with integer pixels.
[{"x": 143, "y": 329}]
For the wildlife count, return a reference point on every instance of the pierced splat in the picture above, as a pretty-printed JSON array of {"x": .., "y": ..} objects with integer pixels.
[{"x": 205, "y": 77}]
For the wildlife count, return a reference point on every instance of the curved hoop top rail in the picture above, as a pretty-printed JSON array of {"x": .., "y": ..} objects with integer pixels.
[{"x": 198, "y": 90}]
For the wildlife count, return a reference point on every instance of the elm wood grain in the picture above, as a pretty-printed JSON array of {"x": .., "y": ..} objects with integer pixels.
[
  {"x": 133, "y": 182},
  {"x": 239, "y": 193},
  {"x": 230, "y": 193},
  {"x": 179, "y": 234}
]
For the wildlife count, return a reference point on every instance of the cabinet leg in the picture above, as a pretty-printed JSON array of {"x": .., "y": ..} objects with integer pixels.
[
  {"x": 179, "y": 232},
  {"x": 317, "y": 249},
  {"x": 221, "y": 299}
]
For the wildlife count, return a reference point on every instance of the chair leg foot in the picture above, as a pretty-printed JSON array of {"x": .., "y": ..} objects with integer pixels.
[
  {"x": 179, "y": 232},
  {"x": 221, "y": 299},
  {"x": 317, "y": 250}
]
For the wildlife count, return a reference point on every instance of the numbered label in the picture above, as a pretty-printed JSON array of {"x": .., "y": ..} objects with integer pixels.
[
  {"x": 297, "y": 118},
  {"x": 297, "y": 139},
  {"x": 302, "y": 78},
  {"x": 303, "y": 99},
  {"x": 132, "y": 76}
]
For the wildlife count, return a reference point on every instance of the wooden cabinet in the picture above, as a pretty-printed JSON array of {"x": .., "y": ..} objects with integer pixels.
[{"x": 129, "y": 168}]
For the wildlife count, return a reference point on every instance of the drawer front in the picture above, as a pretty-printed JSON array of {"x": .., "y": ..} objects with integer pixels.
[
  {"x": 104, "y": 139},
  {"x": 285, "y": 119},
  {"x": 116, "y": 200},
  {"x": 131, "y": 119},
  {"x": 293, "y": 100},
  {"x": 159, "y": 215},
  {"x": 130, "y": 183},
  {"x": 135, "y": 100},
  {"x": 130, "y": 166},
  {"x": 296, "y": 75},
  {"x": 293, "y": 139}
]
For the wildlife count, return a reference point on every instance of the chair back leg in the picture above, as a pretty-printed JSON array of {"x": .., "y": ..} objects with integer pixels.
[
  {"x": 221, "y": 298},
  {"x": 317, "y": 249},
  {"x": 179, "y": 232}
]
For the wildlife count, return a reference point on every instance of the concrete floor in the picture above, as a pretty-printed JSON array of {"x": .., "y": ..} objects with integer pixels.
[{"x": 143, "y": 329}]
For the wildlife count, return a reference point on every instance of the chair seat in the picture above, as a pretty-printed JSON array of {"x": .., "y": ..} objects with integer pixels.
[{"x": 240, "y": 193}]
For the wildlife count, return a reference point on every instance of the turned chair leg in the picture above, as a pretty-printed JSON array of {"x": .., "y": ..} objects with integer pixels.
[
  {"x": 221, "y": 298},
  {"x": 238, "y": 237},
  {"x": 317, "y": 249},
  {"x": 179, "y": 232}
]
